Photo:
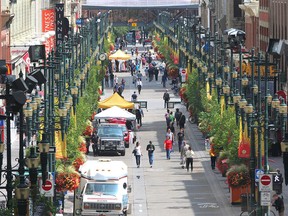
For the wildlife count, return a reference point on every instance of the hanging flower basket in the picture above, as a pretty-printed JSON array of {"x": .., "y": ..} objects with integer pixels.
[
  {"x": 67, "y": 181},
  {"x": 79, "y": 161}
]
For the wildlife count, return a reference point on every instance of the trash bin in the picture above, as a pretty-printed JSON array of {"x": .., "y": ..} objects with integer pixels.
[{"x": 244, "y": 202}]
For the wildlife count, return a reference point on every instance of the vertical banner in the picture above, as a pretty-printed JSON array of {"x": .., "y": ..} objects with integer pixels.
[
  {"x": 48, "y": 25},
  {"x": 48, "y": 20},
  {"x": 59, "y": 13}
]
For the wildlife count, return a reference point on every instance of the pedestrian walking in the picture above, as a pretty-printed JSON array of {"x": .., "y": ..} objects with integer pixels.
[
  {"x": 278, "y": 203},
  {"x": 107, "y": 79},
  {"x": 213, "y": 156},
  {"x": 111, "y": 79},
  {"x": 184, "y": 149},
  {"x": 182, "y": 120},
  {"x": 146, "y": 72},
  {"x": 168, "y": 147},
  {"x": 137, "y": 153},
  {"x": 170, "y": 134},
  {"x": 94, "y": 139},
  {"x": 156, "y": 73},
  {"x": 139, "y": 85},
  {"x": 180, "y": 138},
  {"x": 166, "y": 98},
  {"x": 189, "y": 158},
  {"x": 150, "y": 148},
  {"x": 139, "y": 114},
  {"x": 177, "y": 116},
  {"x": 164, "y": 80},
  {"x": 134, "y": 96}
]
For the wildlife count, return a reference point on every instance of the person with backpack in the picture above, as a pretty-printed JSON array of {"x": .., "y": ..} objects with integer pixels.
[
  {"x": 139, "y": 114},
  {"x": 150, "y": 148},
  {"x": 278, "y": 203},
  {"x": 166, "y": 98},
  {"x": 182, "y": 120},
  {"x": 134, "y": 96}
]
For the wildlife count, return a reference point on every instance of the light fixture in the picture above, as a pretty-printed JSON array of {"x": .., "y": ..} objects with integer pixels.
[
  {"x": 218, "y": 81},
  {"x": 255, "y": 89},
  {"x": 248, "y": 109},
  {"x": 244, "y": 81},
  {"x": 236, "y": 98},
  {"x": 226, "y": 69},
  {"x": 283, "y": 108},
  {"x": 43, "y": 147},
  {"x": 32, "y": 162},
  {"x": 242, "y": 103},
  {"x": 226, "y": 89},
  {"x": 275, "y": 102}
]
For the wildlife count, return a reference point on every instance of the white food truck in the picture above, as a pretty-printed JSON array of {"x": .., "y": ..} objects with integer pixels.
[{"x": 103, "y": 188}]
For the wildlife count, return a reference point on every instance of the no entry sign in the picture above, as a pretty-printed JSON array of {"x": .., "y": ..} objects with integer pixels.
[
  {"x": 48, "y": 185},
  {"x": 265, "y": 182},
  {"x": 48, "y": 189}
]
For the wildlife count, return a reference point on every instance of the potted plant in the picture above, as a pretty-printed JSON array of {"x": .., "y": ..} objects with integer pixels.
[
  {"x": 222, "y": 162},
  {"x": 238, "y": 179}
]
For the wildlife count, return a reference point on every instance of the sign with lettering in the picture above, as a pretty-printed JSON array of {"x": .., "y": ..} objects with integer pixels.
[
  {"x": 48, "y": 20},
  {"x": 59, "y": 13}
]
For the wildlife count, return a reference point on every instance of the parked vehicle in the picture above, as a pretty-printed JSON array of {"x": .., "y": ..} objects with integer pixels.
[
  {"x": 103, "y": 188},
  {"x": 129, "y": 136},
  {"x": 110, "y": 139}
]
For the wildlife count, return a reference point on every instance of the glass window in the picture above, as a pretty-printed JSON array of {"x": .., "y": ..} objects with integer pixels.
[{"x": 105, "y": 189}]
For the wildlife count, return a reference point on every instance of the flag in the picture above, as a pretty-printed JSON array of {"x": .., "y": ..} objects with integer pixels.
[
  {"x": 222, "y": 105},
  {"x": 209, "y": 96}
]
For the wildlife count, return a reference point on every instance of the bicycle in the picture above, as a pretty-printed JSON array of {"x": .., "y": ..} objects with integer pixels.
[{"x": 254, "y": 212}]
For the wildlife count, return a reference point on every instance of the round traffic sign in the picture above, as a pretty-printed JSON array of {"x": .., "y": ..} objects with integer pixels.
[
  {"x": 47, "y": 186},
  {"x": 265, "y": 180},
  {"x": 183, "y": 71}
]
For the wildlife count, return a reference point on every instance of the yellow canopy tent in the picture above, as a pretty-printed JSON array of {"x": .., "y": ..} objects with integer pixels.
[
  {"x": 115, "y": 100},
  {"x": 119, "y": 55}
]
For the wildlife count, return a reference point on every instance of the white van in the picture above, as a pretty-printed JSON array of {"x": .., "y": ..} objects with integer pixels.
[{"x": 103, "y": 188}]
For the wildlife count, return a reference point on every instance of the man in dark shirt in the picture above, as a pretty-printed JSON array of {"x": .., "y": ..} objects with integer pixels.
[
  {"x": 180, "y": 137},
  {"x": 278, "y": 204}
]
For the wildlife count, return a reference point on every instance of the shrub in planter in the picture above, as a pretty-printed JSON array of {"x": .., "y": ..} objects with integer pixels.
[
  {"x": 222, "y": 163},
  {"x": 238, "y": 176}
]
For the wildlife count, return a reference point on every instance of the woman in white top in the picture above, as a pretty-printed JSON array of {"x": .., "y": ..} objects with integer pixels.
[
  {"x": 137, "y": 153},
  {"x": 189, "y": 158}
]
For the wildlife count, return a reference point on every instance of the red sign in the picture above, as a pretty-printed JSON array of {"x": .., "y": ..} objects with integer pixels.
[
  {"x": 265, "y": 180},
  {"x": 183, "y": 71},
  {"x": 47, "y": 186},
  {"x": 48, "y": 20}
]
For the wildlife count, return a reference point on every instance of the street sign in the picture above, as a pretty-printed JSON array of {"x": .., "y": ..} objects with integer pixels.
[
  {"x": 183, "y": 71},
  {"x": 258, "y": 172},
  {"x": 265, "y": 182},
  {"x": 52, "y": 149},
  {"x": 48, "y": 189},
  {"x": 48, "y": 185},
  {"x": 265, "y": 198}
]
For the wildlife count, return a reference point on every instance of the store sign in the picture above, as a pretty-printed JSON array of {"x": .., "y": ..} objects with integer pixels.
[
  {"x": 59, "y": 10},
  {"x": 48, "y": 20}
]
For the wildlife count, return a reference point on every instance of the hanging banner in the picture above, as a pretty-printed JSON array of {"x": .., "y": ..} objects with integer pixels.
[
  {"x": 59, "y": 12},
  {"x": 48, "y": 20}
]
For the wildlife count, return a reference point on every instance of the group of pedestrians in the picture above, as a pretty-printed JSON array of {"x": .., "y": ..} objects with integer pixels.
[
  {"x": 150, "y": 148},
  {"x": 185, "y": 150}
]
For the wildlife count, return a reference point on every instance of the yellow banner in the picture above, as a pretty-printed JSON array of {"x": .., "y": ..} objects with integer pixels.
[
  {"x": 222, "y": 105},
  {"x": 61, "y": 146},
  {"x": 209, "y": 96}
]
